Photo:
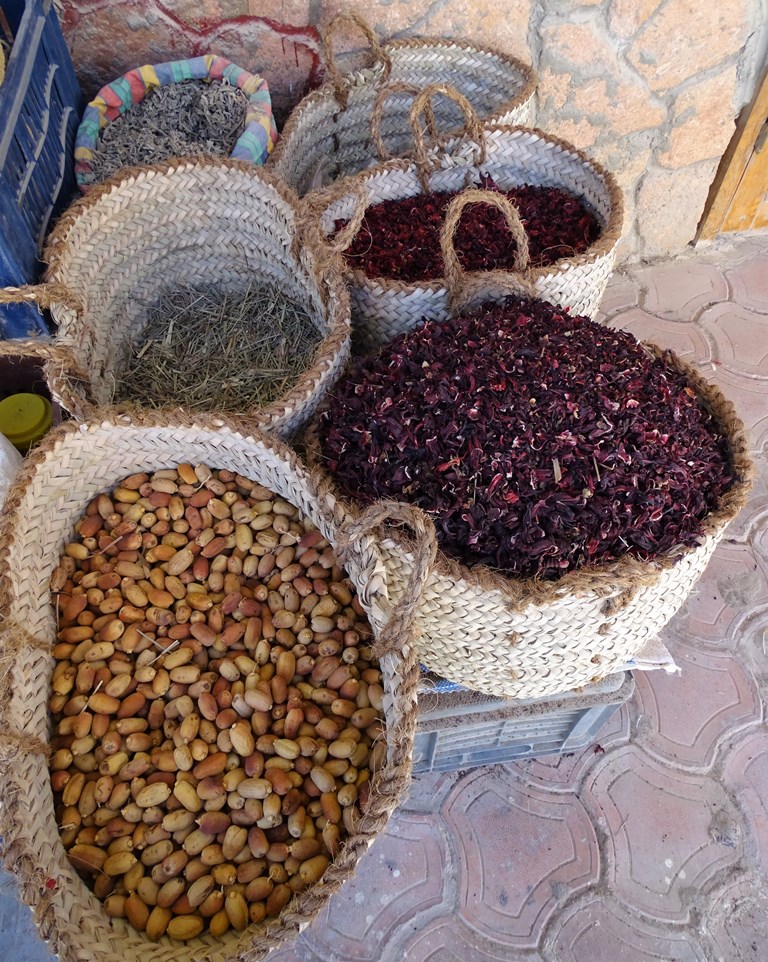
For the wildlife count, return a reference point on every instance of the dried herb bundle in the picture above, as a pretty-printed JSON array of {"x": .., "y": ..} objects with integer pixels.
[
  {"x": 538, "y": 442},
  {"x": 189, "y": 118},
  {"x": 209, "y": 350},
  {"x": 400, "y": 239}
]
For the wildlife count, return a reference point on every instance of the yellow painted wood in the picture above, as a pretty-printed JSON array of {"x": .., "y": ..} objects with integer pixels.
[{"x": 730, "y": 206}]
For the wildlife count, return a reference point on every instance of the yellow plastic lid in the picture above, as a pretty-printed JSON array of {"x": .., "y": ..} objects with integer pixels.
[{"x": 24, "y": 419}]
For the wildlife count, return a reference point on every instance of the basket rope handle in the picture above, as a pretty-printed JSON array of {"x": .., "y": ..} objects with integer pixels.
[
  {"x": 463, "y": 286},
  {"x": 399, "y": 635},
  {"x": 316, "y": 204},
  {"x": 64, "y": 370},
  {"x": 378, "y": 54},
  {"x": 378, "y": 110},
  {"x": 472, "y": 127},
  {"x": 44, "y": 295}
]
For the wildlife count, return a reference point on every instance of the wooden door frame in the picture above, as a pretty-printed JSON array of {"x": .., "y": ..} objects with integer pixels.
[{"x": 734, "y": 163}]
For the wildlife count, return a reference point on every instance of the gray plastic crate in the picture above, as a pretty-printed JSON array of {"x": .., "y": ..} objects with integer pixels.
[{"x": 465, "y": 729}]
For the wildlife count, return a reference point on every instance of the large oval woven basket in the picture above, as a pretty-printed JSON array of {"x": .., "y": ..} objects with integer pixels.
[
  {"x": 512, "y": 157},
  {"x": 149, "y": 230},
  {"x": 526, "y": 638},
  {"x": 74, "y": 463},
  {"x": 328, "y": 135}
]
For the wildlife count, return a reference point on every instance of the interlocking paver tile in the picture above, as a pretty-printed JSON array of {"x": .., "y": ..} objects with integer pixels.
[
  {"x": 597, "y": 929},
  {"x": 448, "y": 940},
  {"x": 622, "y": 292},
  {"x": 668, "y": 833},
  {"x": 749, "y": 282},
  {"x": 748, "y": 396},
  {"x": 745, "y": 775},
  {"x": 736, "y": 925},
  {"x": 520, "y": 851},
  {"x": 673, "y": 720},
  {"x": 734, "y": 584},
  {"x": 679, "y": 290},
  {"x": 403, "y": 874},
  {"x": 428, "y": 791},
  {"x": 687, "y": 340},
  {"x": 564, "y": 773},
  {"x": 741, "y": 337},
  {"x": 753, "y": 648},
  {"x": 755, "y": 514}
]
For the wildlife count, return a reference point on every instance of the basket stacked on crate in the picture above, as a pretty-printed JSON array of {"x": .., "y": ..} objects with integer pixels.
[
  {"x": 166, "y": 227},
  {"x": 39, "y": 107},
  {"x": 328, "y": 135}
]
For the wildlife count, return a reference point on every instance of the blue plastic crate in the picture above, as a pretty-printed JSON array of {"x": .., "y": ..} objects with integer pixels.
[{"x": 39, "y": 112}]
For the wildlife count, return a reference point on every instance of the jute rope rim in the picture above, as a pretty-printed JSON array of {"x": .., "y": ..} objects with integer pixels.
[
  {"x": 624, "y": 575},
  {"x": 322, "y": 95},
  {"x": 323, "y": 198},
  {"x": 396, "y": 639},
  {"x": 327, "y": 267}
]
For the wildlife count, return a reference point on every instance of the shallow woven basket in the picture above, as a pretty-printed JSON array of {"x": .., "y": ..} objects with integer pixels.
[
  {"x": 526, "y": 638},
  {"x": 151, "y": 229},
  {"x": 58, "y": 479},
  {"x": 512, "y": 156},
  {"x": 328, "y": 135}
]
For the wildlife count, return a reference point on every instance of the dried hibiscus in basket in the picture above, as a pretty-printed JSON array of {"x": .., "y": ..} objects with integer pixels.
[
  {"x": 537, "y": 441},
  {"x": 400, "y": 239}
]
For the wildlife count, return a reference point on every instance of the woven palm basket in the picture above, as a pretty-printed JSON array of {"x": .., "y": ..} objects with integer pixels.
[
  {"x": 74, "y": 463},
  {"x": 513, "y": 156},
  {"x": 149, "y": 230},
  {"x": 527, "y": 638},
  {"x": 328, "y": 134}
]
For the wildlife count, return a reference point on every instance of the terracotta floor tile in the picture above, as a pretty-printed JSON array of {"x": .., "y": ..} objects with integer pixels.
[
  {"x": 667, "y": 833},
  {"x": 741, "y": 337},
  {"x": 736, "y": 925},
  {"x": 597, "y": 929},
  {"x": 687, "y": 340},
  {"x": 405, "y": 873},
  {"x": 622, "y": 292},
  {"x": 749, "y": 282},
  {"x": 520, "y": 851},
  {"x": 675, "y": 723},
  {"x": 678, "y": 291}
]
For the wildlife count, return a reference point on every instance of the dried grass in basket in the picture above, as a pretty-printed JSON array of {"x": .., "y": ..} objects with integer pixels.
[
  {"x": 527, "y": 638},
  {"x": 328, "y": 135},
  {"x": 511, "y": 156},
  {"x": 114, "y": 253},
  {"x": 55, "y": 484}
]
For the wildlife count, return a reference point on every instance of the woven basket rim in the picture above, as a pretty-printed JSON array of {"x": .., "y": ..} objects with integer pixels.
[
  {"x": 326, "y": 92},
  {"x": 601, "y": 247},
  {"x": 625, "y": 574},
  {"x": 302, "y": 906},
  {"x": 327, "y": 267}
]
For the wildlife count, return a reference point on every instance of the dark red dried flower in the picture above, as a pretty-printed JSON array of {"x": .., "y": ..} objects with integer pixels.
[
  {"x": 537, "y": 441},
  {"x": 400, "y": 239}
]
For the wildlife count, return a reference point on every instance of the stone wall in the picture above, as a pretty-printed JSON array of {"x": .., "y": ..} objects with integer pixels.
[{"x": 651, "y": 88}]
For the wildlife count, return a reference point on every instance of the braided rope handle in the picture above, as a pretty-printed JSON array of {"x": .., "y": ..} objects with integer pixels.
[
  {"x": 67, "y": 379},
  {"x": 316, "y": 204},
  {"x": 473, "y": 128},
  {"x": 463, "y": 286},
  {"x": 378, "y": 54},
  {"x": 44, "y": 295},
  {"x": 378, "y": 110}
]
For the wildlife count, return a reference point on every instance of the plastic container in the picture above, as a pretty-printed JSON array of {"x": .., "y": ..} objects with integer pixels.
[
  {"x": 24, "y": 419},
  {"x": 39, "y": 112},
  {"x": 465, "y": 729}
]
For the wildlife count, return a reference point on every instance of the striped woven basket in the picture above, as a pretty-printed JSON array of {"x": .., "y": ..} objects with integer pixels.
[
  {"x": 50, "y": 494},
  {"x": 511, "y": 156},
  {"x": 526, "y": 638},
  {"x": 151, "y": 229},
  {"x": 328, "y": 135}
]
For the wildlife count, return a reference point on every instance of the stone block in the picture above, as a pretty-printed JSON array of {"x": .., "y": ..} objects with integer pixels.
[
  {"x": 670, "y": 203},
  {"x": 703, "y": 121}
]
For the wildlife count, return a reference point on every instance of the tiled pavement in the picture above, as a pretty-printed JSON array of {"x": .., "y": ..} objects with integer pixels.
[{"x": 656, "y": 847}]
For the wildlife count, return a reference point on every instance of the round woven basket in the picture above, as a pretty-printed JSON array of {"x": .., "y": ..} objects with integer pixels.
[
  {"x": 512, "y": 157},
  {"x": 152, "y": 229},
  {"x": 254, "y": 145},
  {"x": 527, "y": 638},
  {"x": 328, "y": 134},
  {"x": 58, "y": 479}
]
